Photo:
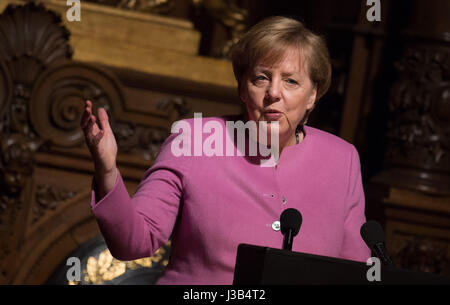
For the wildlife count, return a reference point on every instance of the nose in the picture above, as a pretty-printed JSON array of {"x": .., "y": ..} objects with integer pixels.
[{"x": 273, "y": 92}]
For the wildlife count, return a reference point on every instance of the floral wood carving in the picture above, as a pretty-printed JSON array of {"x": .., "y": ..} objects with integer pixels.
[
  {"x": 48, "y": 197},
  {"x": 139, "y": 140}
]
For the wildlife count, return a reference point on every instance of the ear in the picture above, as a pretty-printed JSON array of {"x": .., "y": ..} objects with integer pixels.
[{"x": 312, "y": 98}]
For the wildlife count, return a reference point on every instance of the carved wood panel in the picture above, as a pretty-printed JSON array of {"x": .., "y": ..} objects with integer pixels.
[
  {"x": 45, "y": 167},
  {"x": 419, "y": 126},
  {"x": 418, "y": 247}
]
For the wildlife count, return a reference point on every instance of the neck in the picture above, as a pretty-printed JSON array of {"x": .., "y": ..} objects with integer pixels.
[{"x": 291, "y": 140}]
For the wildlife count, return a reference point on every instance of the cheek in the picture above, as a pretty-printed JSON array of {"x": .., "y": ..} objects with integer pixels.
[
  {"x": 255, "y": 97},
  {"x": 296, "y": 107},
  {"x": 296, "y": 103},
  {"x": 250, "y": 98}
]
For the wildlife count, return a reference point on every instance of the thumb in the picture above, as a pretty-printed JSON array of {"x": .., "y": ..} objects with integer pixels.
[{"x": 103, "y": 119}]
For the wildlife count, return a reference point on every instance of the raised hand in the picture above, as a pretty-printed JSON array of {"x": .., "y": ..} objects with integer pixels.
[{"x": 102, "y": 145}]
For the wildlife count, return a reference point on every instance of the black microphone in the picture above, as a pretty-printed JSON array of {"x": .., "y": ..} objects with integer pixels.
[
  {"x": 290, "y": 221},
  {"x": 373, "y": 235}
]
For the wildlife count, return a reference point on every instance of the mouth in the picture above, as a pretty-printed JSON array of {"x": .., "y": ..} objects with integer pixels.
[{"x": 272, "y": 114}]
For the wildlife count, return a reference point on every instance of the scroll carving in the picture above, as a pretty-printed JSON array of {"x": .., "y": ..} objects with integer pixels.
[
  {"x": 59, "y": 96},
  {"x": 42, "y": 97}
]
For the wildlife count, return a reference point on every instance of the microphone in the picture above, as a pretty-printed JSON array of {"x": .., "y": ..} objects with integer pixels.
[
  {"x": 290, "y": 221},
  {"x": 373, "y": 235}
]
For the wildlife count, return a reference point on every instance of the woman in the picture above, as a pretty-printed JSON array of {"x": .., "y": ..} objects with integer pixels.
[{"x": 209, "y": 205}]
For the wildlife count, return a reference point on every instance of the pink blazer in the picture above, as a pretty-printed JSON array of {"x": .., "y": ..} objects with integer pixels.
[{"x": 209, "y": 205}]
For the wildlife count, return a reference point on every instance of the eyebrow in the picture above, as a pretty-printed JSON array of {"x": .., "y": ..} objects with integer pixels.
[
  {"x": 267, "y": 71},
  {"x": 286, "y": 74}
]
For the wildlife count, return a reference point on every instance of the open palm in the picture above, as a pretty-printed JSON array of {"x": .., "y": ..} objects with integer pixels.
[{"x": 99, "y": 139}]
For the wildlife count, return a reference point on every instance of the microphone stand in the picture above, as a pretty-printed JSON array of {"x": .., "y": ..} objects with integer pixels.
[
  {"x": 382, "y": 254},
  {"x": 288, "y": 238}
]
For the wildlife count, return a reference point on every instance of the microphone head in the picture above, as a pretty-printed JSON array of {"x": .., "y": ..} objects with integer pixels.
[
  {"x": 372, "y": 233},
  {"x": 290, "y": 219}
]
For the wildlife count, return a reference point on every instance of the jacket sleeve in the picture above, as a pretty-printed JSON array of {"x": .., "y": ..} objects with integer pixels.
[
  {"x": 135, "y": 227},
  {"x": 354, "y": 247}
]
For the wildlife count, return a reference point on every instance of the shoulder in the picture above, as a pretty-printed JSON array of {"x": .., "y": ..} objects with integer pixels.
[
  {"x": 327, "y": 141},
  {"x": 328, "y": 147},
  {"x": 186, "y": 133}
]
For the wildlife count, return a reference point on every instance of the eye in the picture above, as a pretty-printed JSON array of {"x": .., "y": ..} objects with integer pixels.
[
  {"x": 260, "y": 79},
  {"x": 291, "y": 81}
]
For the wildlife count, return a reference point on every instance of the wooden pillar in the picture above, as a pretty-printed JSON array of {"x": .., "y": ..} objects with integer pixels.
[{"x": 416, "y": 174}]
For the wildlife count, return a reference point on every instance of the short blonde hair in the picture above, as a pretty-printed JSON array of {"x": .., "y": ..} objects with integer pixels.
[{"x": 267, "y": 42}]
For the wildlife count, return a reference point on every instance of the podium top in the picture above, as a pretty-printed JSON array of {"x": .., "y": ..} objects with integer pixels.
[{"x": 268, "y": 266}]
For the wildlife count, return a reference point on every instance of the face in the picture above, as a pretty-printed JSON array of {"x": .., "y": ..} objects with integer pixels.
[{"x": 281, "y": 92}]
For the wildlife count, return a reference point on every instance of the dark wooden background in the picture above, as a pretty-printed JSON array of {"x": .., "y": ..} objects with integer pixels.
[{"x": 390, "y": 97}]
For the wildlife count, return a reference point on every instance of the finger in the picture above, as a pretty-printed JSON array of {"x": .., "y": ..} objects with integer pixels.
[
  {"x": 91, "y": 128},
  {"x": 95, "y": 127},
  {"x": 88, "y": 106},
  {"x": 87, "y": 127},
  {"x": 86, "y": 114},
  {"x": 84, "y": 119},
  {"x": 103, "y": 119}
]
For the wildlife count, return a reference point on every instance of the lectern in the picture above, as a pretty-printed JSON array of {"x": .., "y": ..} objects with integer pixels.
[{"x": 268, "y": 266}]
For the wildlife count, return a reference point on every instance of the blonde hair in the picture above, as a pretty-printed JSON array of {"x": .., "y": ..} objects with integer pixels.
[{"x": 268, "y": 41}]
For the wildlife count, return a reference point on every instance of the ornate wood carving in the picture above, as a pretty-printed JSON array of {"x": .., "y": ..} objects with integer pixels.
[
  {"x": 424, "y": 254},
  {"x": 6, "y": 92},
  {"x": 414, "y": 183},
  {"x": 180, "y": 104},
  {"x": 139, "y": 140},
  {"x": 419, "y": 126},
  {"x": 149, "y": 6},
  {"x": 42, "y": 95},
  {"x": 38, "y": 40},
  {"x": 420, "y": 109},
  {"x": 58, "y": 99},
  {"x": 48, "y": 198},
  {"x": 231, "y": 16},
  {"x": 31, "y": 39}
]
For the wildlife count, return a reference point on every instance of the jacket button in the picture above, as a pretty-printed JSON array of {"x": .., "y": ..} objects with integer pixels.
[{"x": 276, "y": 225}]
